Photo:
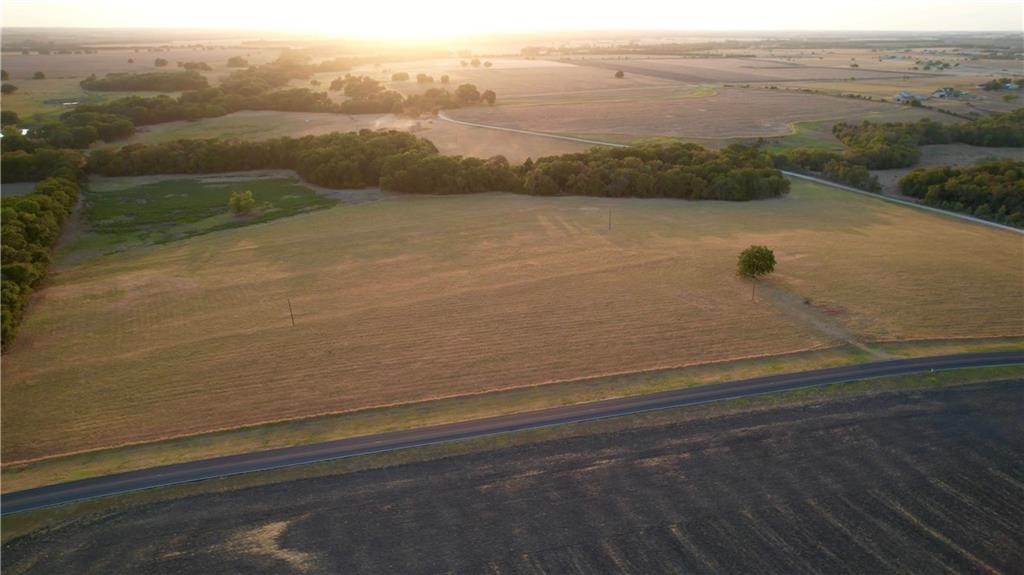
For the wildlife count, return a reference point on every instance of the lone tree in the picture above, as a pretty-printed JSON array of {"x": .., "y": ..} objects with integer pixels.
[
  {"x": 241, "y": 202},
  {"x": 8, "y": 89},
  {"x": 754, "y": 262},
  {"x": 38, "y": 76},
  {"x": 489, "y": 96},
  {"x": 620, "y": 74}
]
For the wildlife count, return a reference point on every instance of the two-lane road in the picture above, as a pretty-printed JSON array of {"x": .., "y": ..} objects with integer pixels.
[{"x": 303, "y": 454}]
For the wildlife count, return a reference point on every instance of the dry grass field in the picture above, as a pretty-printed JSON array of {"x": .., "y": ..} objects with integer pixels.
[
  {"x": 920, "y": 481},
  {"x": 449, "y": 138},
  {"x": 426, "y": 297},
  {"x": 729, "y": 113},
  {"x": 735, "y": 70}
]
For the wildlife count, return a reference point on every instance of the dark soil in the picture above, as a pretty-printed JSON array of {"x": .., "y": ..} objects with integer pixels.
[{"x": 923, "y": 482}]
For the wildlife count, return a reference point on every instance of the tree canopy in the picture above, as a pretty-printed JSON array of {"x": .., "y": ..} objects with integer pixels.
[{"x": 756, "y": 261}]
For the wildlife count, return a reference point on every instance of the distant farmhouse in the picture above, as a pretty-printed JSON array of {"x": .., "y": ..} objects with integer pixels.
[{"x": 906, "y": 98}]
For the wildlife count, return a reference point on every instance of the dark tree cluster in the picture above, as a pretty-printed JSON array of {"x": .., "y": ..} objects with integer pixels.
[
  {"x": 895, "y": 145},
  {"x": 1000, "y": 84},
  {"x": 151, "y": 82},
  {"x": 339, "y": 160},
  {"x": 993, "y": 190},
  {"x": 829, "y": 165},
  {"x": 196, "y": 66},
  {"x": 32, "y": 224},
  {"x": 670, "y": 170},
  {"x": 38, "y": 164},
  {"x": 402, "y": 162}
]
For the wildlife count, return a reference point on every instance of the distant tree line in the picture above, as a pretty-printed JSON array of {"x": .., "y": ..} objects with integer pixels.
[
  {"x": 394, "y": 160},
  {"x": 993, "y": 190},
  {"x": 402, "y": 162},
  {"x": 895, "y": 145},
  {"x": 35, "y": 165},
  {"x": 256, "y": 88},
  {"x": 829, "y": 165},
  {"x": 31, "y": 225},
  {"x": 174, "y": 81}
]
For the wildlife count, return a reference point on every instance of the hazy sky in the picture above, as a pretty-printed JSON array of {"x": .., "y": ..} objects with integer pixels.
[{"x": 433, "y": 18}]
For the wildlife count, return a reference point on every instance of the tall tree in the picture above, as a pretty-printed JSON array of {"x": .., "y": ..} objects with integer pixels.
[{"x": 755, "y": 262}]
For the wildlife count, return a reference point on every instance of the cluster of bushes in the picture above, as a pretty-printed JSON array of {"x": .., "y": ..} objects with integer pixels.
[
  {"x": 150, "y": 81},
  {"x": 196, "y": 66},
  {"x": 829, "y": 165},
  {"x": 895, "y": 145},
  {"x": 32, "y": 224},
  {"x": 993, "y": 190},
  {"x": 1000, "y": 84},
  {"x": 402, "y": 162},
  {"x": 38, "y": 164}
]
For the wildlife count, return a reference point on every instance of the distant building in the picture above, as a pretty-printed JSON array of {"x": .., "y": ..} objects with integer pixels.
[
  {"x": 945, "y": 93},
  {"x": 905, "y": 97}
]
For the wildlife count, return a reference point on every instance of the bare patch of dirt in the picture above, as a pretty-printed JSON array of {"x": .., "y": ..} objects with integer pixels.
[
  {"x": 820, "y": 318},
  {"x": 265, "y": 540}
]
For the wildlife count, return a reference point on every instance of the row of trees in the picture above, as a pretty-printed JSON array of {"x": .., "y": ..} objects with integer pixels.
[
  {"x": 402, "y": 162},
  {"x": 895, "y": 144},
  {"x": 992, "y": 190},
  {"x": 829, "y": 165},
  {"x": 394, "y": 160},
  {"x": 176, "y": 81},
  {"x": 32, "y": 225}
]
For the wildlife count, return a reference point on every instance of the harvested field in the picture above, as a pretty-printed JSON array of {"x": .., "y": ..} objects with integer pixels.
[
  {"x": 449, "y": 138},
  {"x": 916, "y": 482},
  {"x": 718, "y": 70},
  {"x": 733, "y": 112},
  {"x": 511, "y": 77},
  {"x": 398, "y": 301}
]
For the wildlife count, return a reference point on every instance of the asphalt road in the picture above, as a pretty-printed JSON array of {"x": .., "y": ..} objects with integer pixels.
[{"x": 119, "y": 483}]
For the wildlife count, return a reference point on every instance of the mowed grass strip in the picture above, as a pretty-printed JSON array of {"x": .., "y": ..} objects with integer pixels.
[{"x": 427, "y": 297}]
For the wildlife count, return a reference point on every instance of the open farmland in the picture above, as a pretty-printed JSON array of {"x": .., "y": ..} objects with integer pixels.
[
  {"x": 728, "y": 113},
  {"x": 511, "y": 77},
  {"x": 716, "y": 70},
  {"x": 113, "y": 61},
  {"x": 924, "y": 481},
  {"x": 425, "y": 297},
  {"x": 449, "y": 138}
]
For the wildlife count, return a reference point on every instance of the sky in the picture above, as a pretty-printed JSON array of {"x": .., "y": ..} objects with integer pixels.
[{"x": 450, "y": 18}]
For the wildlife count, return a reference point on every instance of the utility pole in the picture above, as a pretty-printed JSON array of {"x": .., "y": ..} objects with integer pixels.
[
  {"x": 609, "y": 220},
  {"x": 292, "y": 314}
]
